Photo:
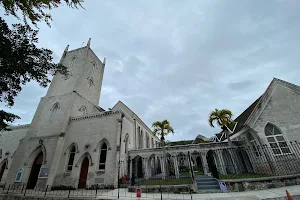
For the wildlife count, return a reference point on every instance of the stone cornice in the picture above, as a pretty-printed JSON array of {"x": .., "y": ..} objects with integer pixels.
[
  {"x": 19, "y": 127},
  {"x": 98, "y": 115},
  {"x": 180, "y": 148}
]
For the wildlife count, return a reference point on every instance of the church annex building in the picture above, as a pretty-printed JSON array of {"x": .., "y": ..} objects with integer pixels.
[{"x": 72, "y": 141}]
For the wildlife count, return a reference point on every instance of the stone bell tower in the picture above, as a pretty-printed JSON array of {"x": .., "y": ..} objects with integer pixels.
[
  {"x": 85, "y": 74},
  {"x": 44, "y": 140}
]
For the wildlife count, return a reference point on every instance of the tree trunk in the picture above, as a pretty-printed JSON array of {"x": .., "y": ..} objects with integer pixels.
[{"x": 164, "y": 156}]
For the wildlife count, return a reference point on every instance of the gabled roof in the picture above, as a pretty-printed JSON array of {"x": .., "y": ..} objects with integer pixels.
[
  {"x": 242, "y": 118},
  {"x": 133, "y": 115},
  {"x": 254, "y": 109}
]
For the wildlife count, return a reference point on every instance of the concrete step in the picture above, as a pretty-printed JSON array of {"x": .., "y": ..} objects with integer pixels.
[{"x": 207, "y": 184}]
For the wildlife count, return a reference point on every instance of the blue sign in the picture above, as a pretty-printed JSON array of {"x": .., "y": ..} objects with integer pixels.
[
  {"x": 223, "y": 186},
  {"x": 19, "y": 176},
  {"x": 44, "y": 172}
]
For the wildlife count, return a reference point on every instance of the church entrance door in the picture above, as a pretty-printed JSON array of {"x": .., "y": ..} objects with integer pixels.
[
  {"x": 2, "y": 170},
  {"x": 83, "y": 173},
  {"x": 35, "y": 170}
]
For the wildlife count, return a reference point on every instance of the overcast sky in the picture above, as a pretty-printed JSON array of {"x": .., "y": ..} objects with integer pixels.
[{"x": 177, "y": 59}]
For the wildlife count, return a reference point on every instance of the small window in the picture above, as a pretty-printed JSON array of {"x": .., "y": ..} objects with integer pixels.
[
  {"x": 54, "y": 108},
  {"x": 147, "y": 141},
  {"x": 83, "y": 110},
  {"x": 152, "y": 142},
  {"x": 126, "y": 142},
  {"x": 103, "y": 153},
  {"x": 71, "y": 158},
  {"x": 276, "y": 140}
]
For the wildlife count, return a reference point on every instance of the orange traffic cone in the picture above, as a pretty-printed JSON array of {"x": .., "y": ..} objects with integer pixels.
[{"x": 289, "y": 197}]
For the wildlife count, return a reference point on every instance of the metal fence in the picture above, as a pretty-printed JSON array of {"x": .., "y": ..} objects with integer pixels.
[{"x": 182, "y": 170}]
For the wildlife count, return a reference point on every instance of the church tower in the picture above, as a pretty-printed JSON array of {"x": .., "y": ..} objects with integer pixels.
[
  {"x": 85, "y": 74},
  {"x": 66, "y": 98}
]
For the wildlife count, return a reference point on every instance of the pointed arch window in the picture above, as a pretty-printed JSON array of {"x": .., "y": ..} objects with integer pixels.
[
  {"x": 71, "y": 158},
  {"x": 72, "y": 61},
  {"x": 126, "y": 142},
  {"x": 103, "y": 154},
  {"x": 83, "y": 110},
  {"x": 54, "y": 108},
  {"x": 147, "y": 141},
  {"x": 276, "y": 140},
  {"x": 152, "y": 142}
]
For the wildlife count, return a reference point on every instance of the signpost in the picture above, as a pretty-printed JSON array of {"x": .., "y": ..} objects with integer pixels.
[
  {"x": 138, "y": 192},
  {"x": 223, "y": 186}
]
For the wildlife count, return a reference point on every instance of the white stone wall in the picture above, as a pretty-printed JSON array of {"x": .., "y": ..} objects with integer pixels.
[
  {"x": 90, "y": 131},
  {"x": 283, "y": 110},
  {"x": 9, "y": 141},
  {"x": 83, "y": 65}
]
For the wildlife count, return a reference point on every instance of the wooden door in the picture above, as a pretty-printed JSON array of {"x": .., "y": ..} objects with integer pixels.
[
  {"x": 35, "y": 170},
  {"x": 83, "y": 173}
]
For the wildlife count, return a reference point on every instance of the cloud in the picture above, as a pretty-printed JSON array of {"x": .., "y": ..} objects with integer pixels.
[{"x": 179, "y": 60}]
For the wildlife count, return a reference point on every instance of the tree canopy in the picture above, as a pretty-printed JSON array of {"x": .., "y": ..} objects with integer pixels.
[
  {"x": 162, "y": 128},
  {"x": 221, "y": 117},
  {"x": 20, "y": 59},
  {"x": 34, "y": 10}
]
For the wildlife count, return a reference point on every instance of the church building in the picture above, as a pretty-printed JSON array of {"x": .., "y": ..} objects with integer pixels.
[{"x": 71, "y": 141}]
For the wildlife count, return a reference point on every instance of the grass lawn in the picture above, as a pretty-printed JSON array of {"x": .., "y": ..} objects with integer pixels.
[
  {"x": 172, "y": 181},
  {"x": 242, "y": 176}
]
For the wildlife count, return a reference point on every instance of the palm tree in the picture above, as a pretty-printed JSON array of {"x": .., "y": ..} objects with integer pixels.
[
  {"x": 222, "y": 118},
  {"x": 162, "y": 129}
]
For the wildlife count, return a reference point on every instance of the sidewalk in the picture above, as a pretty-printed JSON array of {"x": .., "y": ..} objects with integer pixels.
[{"x": 275, "y": 193}]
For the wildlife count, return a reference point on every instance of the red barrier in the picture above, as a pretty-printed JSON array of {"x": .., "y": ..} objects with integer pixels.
[{"x": 138, "y": 192}]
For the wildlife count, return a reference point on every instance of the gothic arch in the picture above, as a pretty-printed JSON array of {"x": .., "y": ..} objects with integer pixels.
[
  {"x": 90, "y": 81},
  {"x": 35, "y": 152},
  {"x": 4, "y": 162},
  {"x": 70, "y": 147},
  {"x": 86, "y": 154},
  {"x": 83, "y": 110},
  {"x": 55, "y": 106},
  {"x": 104, "y": 140}
]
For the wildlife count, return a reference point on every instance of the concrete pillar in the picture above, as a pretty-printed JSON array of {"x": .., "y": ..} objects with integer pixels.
[
  {"x": 162, "y": 167},
  {"x": 146, "y": 168},
  {"x": 176, "y": 167},
  {"x": 130, "y": 168},
  {"x": 135, "y": 163},
  {"x": 221, "y": 166},
  {"x": 55, "y": 161},
  {"x": 150, "y": 160},
  {"x": 234, "y": 159},
  {"x": 204, "y": 162}
]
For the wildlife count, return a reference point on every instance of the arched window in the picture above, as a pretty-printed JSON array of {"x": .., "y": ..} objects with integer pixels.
[
  {"x": 254, "y": 145},
  {"x": 83, "y": 110},
  {"x": 126, "y": 142},
  {"x": 152, "y": 142},
  {"x": 147, "y": 141},
  {"x": 72, "y": 61},
  {"x": 71, "y": 158},
  {"x": 141, "y": 139},
  {"x": 103, "y": 153},
  {"x": 54, "y": 108},
  {"x": 276, "y": 140}
]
